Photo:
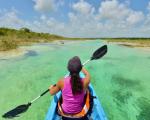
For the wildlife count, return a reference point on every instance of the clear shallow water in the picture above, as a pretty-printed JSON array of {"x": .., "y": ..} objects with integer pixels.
[{"x": 121, "y": 78}]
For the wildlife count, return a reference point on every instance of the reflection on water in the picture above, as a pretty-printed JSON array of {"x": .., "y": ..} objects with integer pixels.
[{"x": 120, "y": 78}]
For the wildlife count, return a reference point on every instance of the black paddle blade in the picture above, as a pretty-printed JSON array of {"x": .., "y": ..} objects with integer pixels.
[
  {"x": 16, "y": 111},
  {"x": 99, "y": 53}
]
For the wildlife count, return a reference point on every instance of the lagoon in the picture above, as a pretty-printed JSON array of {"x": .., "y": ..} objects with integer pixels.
[{"x": 121, "y": 78}]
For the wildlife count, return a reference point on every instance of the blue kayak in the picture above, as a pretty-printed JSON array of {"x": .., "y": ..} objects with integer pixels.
[{"x": 97, "y": 110}]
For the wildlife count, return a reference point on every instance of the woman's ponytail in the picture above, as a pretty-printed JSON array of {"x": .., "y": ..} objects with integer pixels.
[
  {"x": 74, "y": 67},
  {"x": 76, "y": 83}
]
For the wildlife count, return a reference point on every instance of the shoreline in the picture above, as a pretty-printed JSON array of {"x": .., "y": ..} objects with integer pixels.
[
  {"x": 21, "y": 50},
  {"x": 132, "y": 44},
  {"x": 4, "y": 55}
]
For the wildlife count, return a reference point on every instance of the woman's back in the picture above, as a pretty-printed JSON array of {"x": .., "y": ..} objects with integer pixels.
[
  {"x": 73, "y": 87},
  {"x": 71, "y": 103}
]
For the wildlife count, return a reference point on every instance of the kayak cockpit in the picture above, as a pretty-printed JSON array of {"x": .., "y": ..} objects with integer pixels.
[{"x": 96, "y": 114}]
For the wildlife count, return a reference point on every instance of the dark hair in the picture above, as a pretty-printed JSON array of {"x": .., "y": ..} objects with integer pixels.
[{"x": 74, "y": 67}]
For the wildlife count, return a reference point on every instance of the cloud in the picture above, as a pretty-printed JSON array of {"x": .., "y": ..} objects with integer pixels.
[
  {"x": 83, "y": 7},
  {"x": 148, "y": 7},
  {"x": 49, "y": 25},
  {"x": 43, "y": 17},
  {"x": 135, "y": 17},
  {"x": 10, "y": 18},
  {"x": 113, "y": 10},
  {"x": 146, "y": 24},
  {"x": 119, "y": 19},
  {"x": 44, "y": 5},
  {"x": 111, "y": 19},
  {"x": 119, "y": 13}
]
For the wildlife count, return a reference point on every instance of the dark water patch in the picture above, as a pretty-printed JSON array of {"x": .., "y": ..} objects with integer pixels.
[
  {"x": 27, "y": 85},
  {"x": 3, "y": 59},
  {"x": 46, "y": 77},
  {"x": 31, "y": 53},
  {"x": 13, "y": 59},
  {"x": 121, "y": 97},
  {"x": 144, "y": 105},
  {"x": 127, "y": 82}
]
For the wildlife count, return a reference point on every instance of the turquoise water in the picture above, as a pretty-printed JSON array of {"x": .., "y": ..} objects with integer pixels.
[{"x": 121, "y": 78}]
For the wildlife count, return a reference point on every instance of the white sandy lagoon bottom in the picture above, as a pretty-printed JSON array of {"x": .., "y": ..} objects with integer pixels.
[{"x": 121, "y": 78}]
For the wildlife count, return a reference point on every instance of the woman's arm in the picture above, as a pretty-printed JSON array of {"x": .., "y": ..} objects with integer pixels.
[
  {"x": 87, "y": 78},
  {"x": 56, "y": 88}
]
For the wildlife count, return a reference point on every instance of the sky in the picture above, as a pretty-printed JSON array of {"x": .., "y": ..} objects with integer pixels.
[{"x": 79, "y": 18}]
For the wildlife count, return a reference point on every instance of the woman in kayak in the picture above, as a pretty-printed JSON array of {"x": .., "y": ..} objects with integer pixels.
[{"x": 73, "y": 87}]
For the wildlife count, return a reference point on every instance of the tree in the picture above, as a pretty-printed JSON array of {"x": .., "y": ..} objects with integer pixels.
[{"x": 25, "y": 29}]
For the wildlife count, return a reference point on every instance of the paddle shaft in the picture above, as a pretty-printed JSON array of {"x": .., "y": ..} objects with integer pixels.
[{"x": 39, "y": 96}]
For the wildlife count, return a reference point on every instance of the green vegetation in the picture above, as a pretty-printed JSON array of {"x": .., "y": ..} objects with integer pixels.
[
  {"x": 7, "y": 44},
  {"x": 12, "y": 38}
]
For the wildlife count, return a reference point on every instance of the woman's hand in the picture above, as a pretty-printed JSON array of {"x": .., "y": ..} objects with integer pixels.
[
  {"x": 84, "y": 71},
  {"x": 51, "y": 87}
]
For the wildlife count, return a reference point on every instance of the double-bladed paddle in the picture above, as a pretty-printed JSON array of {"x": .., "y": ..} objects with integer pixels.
[{"x": 23, "y": 108}]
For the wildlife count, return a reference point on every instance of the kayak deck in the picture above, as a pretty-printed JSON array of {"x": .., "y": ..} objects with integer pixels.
[{"x": 97, "y": 110}]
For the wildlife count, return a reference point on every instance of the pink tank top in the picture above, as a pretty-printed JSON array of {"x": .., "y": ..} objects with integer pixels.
[{"x": 71, "y": 103}]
